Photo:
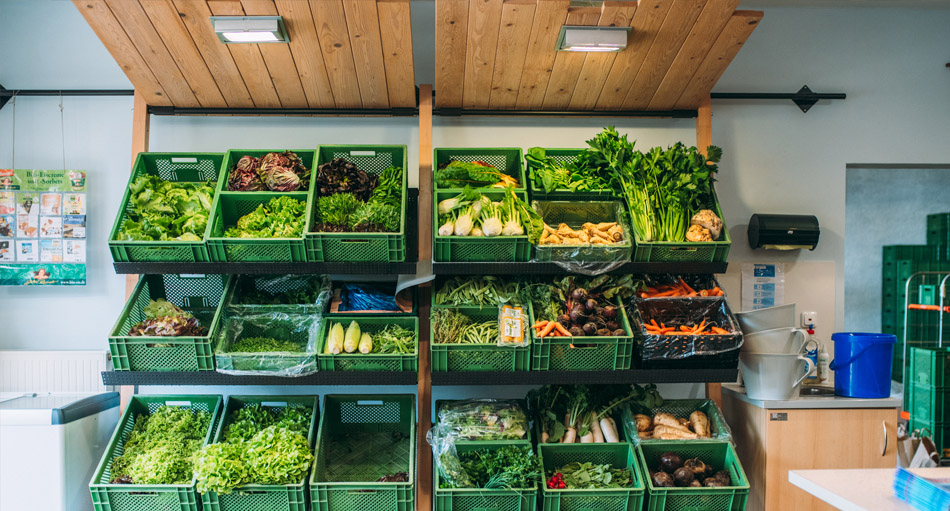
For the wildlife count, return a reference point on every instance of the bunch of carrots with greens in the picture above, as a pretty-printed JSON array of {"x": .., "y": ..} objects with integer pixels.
[
  {"x": 678, "y": 290},
  {"x": 654, "y": 328}
]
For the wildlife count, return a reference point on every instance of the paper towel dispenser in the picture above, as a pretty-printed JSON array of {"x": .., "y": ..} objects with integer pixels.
[{"x": 783, "y": 232}]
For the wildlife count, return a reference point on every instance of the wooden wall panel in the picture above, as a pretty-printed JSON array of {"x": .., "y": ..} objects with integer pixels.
[
  {"x": 510, "y": 54},
  {"x": 248, "y": 59},
  {"x": 279, "y": 61},
  {"x": 113, "y": 36},
  {"x": 306, "y": 52},
  {"x": 330, "y": 20},
  {"x": 567, "y": 64},
  {"x": 395, "y": 29},
  {"x": 681, "y": 18},
  {"x": 451, "y": 34},
  {"x": 727, "y": 45},
  {"x": 597, "y": 65},
  {"x": 484, "y": 20},
  {"x": 539, "y": 61},
  {"x": 194, "y": 14},
  {"x": 362, "y": 21}
]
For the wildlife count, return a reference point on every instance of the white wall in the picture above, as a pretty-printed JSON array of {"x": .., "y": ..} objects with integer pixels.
[{"x": 890, "y": 62}]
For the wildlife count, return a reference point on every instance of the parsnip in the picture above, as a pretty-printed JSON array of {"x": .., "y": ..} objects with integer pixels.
[
  {"x": 664, "y": 432},
  {"x": 699, "y": 423},
  {"x": 666, "y": 419}
]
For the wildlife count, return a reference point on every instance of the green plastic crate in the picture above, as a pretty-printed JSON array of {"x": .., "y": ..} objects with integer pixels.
[
  {"x": 343, "y": 477},
  {"x": 938, "y": 229},
  {"x": 587, "y": 353},
  {"x": 468, "y": 249},
  {"x": 562, "y": 156},
  {"x": 478, "y": 357},
  {"x": 229, "y": 207},
  {"x": 939, "y": 432},
  {"x": 508, "y": 160},
  {"x": 240, "y": 285},
  {"x": 201, "y": 295},
  {"x": 272, "y": 497},
  {"x": 360, "y": 246},
  {"x": 718, "y": 428},
  {"x": 285, "y": 327},
  {"x": 307, "y": 156},
  {"x": 684, "y": 251},
  {"x": 618, "y": 455},
  {"x": 480, "y": 499},
  {"x": 929, "y": 403},
  {"x": 575, "y": 215},
  {"x": 370, "y": 361},
  {"x": 721, "y": 455},
  {"x": 142, "y": 497},
  {"x": 930, "y": 366},
  {"x": 178, "y": 167}
]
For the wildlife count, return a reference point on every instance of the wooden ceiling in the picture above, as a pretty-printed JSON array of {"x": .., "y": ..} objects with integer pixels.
[
  {"x": 342, "y": 53},
  {"x": 500, "y": 54}
]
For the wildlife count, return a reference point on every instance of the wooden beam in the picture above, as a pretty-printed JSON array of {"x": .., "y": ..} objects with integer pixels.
[
  {"x": 704, "y": 125},
  {"x": 140, "y": 126},
  {"x": 424, "y": 453}
]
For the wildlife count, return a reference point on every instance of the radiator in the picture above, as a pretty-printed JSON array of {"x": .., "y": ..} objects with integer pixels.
[{"x": 53, "y": 371}]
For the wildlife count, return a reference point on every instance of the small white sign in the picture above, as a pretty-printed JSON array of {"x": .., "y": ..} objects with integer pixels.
[{"x": 763, "y": 285}]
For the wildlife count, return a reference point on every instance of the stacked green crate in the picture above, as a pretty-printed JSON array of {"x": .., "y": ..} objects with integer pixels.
[
  {"x": 927, "y": 399},
  {"x": 617, "y": 455},
  {"x": 938, "y": 229}
]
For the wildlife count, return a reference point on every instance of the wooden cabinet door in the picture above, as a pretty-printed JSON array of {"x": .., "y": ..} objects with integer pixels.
[{"x": 824, "y": 439}]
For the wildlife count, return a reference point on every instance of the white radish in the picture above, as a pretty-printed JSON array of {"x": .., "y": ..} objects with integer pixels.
[
  {"x": 609, "y": 429},
  {"x": 570, "y": 434},
  {"x": 588, "y": 438},
  {"x": 595, "y": 428}
]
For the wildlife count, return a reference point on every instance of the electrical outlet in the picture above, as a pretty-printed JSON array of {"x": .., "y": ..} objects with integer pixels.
[{"x": 809, "y": 318}]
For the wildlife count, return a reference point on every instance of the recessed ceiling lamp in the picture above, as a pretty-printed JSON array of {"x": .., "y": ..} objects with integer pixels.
[
  {"x": 592, "y": 38},
  {"x": 250, "y": 29}
]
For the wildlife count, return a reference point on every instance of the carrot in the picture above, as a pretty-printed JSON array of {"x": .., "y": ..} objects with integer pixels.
[
  {"x": 664, "y": 293},
  {"x": 653, "y": 322},
  {"x": 720, "y": 331},
  {"x": 547, "y": 328},
  {"x": 691, "y": 294},
  {"x": 662, "y": 325},
  {"x": 665, "y": 330},
  {"x": 686, "y": 286},
  {"x": 644, "y": 295},
  {"x": 685, "y": 328},
  {"x": 561, "y": 329},
  {"x": 704, "y": 292},
  {"x": 716, "y": 291},
  {"x": 539, "y": 324}
]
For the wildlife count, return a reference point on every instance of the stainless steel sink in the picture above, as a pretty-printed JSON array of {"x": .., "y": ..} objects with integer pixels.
[{"x": 817, "y": 392}]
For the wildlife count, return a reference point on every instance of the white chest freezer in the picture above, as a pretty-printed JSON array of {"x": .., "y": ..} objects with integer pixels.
[{"x": 50, "y": 445}]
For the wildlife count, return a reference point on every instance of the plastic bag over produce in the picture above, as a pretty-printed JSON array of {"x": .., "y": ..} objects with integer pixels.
[
  {"x": 472, "y": 419},
  {"x": 676, "y": 313},
  {"x": 271, "y": 344},
  {"x": 679, "y": 408},
  {"x": 590, "y": 238},
  {"x": 281, "y": 292}
]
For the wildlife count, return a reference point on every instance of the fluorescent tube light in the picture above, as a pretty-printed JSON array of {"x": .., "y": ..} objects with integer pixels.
[
  {"x": 250, "y": 29},
  {"x": 592, "y": 39}
]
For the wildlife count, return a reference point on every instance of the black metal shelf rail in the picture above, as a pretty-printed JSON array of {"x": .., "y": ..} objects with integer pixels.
[
  {"x": 202, "y": 378},
  {"x": 538, "y": 268},
  {"x": 368, "y": 268}
]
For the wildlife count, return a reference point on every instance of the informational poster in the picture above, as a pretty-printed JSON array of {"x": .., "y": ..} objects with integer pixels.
[
  {"x": 42, "y": 227},
  {"x": 763, "y": 285}
]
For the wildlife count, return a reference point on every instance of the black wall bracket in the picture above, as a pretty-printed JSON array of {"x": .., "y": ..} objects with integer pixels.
[
  {"x": 805, "y": 98},
  {"x": 6, "y": 94}
]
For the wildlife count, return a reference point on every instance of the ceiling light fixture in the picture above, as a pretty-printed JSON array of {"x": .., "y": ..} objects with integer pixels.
[
  {"x": 250, "y": 29},
  {"x": 592, "y": 39}
]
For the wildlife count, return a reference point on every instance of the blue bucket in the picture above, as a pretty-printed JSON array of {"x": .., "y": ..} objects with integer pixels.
[{"x": 862, "y": 364}]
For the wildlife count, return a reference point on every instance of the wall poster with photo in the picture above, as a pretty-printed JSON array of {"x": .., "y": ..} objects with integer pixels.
[{"x": 42, "y": 227}]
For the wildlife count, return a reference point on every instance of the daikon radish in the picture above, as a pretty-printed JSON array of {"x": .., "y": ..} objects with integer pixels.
[
  {"x": 588, "y": 438},
  {"x": 570, "y": 435},
  {"x": 595, "y": 428},
  {"x": 609, "y": 429}
]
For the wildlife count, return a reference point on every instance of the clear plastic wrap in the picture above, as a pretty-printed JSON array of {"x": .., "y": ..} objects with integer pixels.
[
  {"x": 688, "y": 312},
  {"x": 280, "y": 293},
  {"x": 681, "y": 409},
  {"x": 513, "y": 325},
  {"x": 472, "y": 419},
  {"x": 580, "y": 224},
  {"x": 240, "y": 337},
  {"x": 664, "y": 283}
]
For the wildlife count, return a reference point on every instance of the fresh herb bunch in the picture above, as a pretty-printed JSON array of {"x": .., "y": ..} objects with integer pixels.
[
  {"x": 160, "y": 447},
  {"x": 281, "y": 217},
  {"x": 261, "y": 446},
  {"x": 484, "y": 290},
  {"x": 549, "y": 174},
  {"x": 480, "y": 419},
  {"x": 263, "y": 345},
  {"x": 160, "y": 210},
  {"x": 394, "y": 339},
  {"x": 337, "y": 208},
  {"x": 376, "y": 216},
  {"x": 389, "y": 189},
  {"x": 505, "y": 468},
  {"x": 589, "y": 476}
]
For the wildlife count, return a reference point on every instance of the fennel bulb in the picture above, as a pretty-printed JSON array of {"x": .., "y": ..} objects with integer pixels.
[
  {"x": 447, "y": 228},
  {"x": 477, "y": 231},
  {"x": 447, "y": 205}
]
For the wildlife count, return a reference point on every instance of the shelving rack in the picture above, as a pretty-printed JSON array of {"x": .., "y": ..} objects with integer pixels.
[{"x": 418, "y": 261}]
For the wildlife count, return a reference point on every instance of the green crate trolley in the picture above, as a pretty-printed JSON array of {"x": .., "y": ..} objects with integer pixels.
[
  {"x": 685, "y": 251},
  {"x": 721, "y": 455},
  {"x": 617, "y": 455},
  {"x": 477, "y": 357},
  {"x": 718, "y": 428},
  {"x": 307, "y": 156},
  {"x": 562, "y": 156},
  {"x": 477, "y": 248},
  {"x": 231, "y": 206},
  {"x": 368, "y": 361},
  {"x": 148, "y": 497},
  {"x": 360, "y": 246},
  {"x": 177, "y": 167},
  {"x": 585, "y": 353},
  {"x": 481, "y": 499},
  {"x": 344, "y": 478},
  {"x": 201, "y": 295},
  {"x": 270, "y": 497},
  {"x": 508, "y": 160},
  {"x": 938, "y": 229}
]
